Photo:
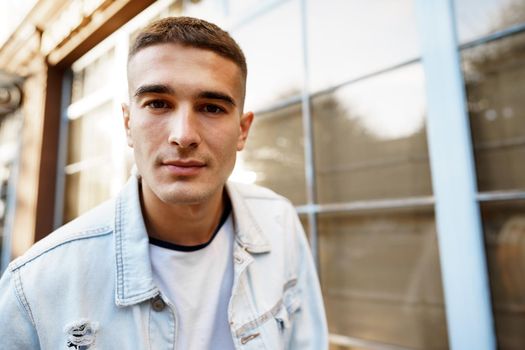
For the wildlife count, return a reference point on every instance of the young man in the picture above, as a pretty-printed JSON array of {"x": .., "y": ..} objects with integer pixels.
[{"x": 181, "y": 259}]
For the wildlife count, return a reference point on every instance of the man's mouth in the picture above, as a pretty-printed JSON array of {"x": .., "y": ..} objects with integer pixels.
[{"x": 184, "y": 167}]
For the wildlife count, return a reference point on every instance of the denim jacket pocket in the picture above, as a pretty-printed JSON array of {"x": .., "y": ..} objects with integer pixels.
[
  {"x": 283, "y": 319},
  {"x": 285, "y": 315},
  {"x": 290, "y": 305}
]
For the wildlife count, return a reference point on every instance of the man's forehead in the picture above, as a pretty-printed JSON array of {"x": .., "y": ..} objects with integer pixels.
[
  {"x": 174, "y": 64},
  {"x": 180, "y": 53}
]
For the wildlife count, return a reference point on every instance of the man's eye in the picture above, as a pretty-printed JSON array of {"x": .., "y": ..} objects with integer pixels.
[
  {"x": 212, "y": 109},
  {"x": 157, "y": 104}
]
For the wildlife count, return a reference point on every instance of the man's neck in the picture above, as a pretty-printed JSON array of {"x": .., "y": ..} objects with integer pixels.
[{"x": 181, "y": 224}]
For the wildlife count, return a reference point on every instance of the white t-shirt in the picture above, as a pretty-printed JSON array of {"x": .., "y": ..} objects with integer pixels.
[{"x": 198, "y": 283}]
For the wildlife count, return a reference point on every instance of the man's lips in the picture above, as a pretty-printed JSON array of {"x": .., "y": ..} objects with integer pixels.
[
  {"x": 184, "y": 167},
  {"x": 185, "y": 163}
]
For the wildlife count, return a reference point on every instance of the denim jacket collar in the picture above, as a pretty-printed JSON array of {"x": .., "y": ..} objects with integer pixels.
[
  {"x": 134, "y": 277},
  {"x": 248, "y": 232}
]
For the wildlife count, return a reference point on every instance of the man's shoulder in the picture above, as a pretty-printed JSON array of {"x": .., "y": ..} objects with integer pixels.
[{"x": 94, "y": 223}]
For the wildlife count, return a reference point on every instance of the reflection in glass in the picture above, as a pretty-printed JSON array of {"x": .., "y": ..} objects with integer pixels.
[
  {"x": 93, "y": 77},
  {"x": 495, "y": 79},
  {"x": 351, "y": 38},
  {"x": 275, "y": 153},
  {"x": 77, "y": 88},
  {"x": 504, "y": 225},
  {"x": 370, "y": 140},
  {"x": 476, "y": 19},
  {"x": 91, "y": 135},
  {"x": 381, "y": 277},
  {"x": 86, "y": 189},
  {"x": 272, "y": 45}
]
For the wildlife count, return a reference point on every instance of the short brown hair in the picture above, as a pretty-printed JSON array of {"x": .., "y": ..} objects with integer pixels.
[{"x": 191, "y": 32}]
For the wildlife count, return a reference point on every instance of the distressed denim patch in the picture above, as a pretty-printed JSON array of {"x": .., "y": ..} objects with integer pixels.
[{"x": 81, "y": 334}]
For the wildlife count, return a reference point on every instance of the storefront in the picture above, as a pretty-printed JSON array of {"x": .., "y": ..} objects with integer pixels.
[
  {"x": 11, "y": 119},
  {"x": 415, "y": 209}
]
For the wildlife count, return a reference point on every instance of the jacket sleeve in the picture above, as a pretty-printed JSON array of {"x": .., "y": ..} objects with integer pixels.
[
  {"x": 17, "y": 331},
  {"x": 310, "y": 331}
]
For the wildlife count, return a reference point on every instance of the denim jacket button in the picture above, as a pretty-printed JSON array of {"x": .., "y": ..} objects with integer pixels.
[{"x": 158, "y": 304}]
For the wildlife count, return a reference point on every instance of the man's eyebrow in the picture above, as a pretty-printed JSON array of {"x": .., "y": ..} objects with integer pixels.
[
  {"x": 215, "y": 95},
  {"x": 154, "y": 89}
]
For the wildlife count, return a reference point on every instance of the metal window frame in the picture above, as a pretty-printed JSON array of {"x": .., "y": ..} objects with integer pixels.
[
  {"x": 63, "y": 133},
  {"x": 499, "y": 196},
  {"x": 460, "y": 236},
  {"x": 368, "y": 205},
  {"x": 308, "y": 135},
  {"x": 501, "y": 34},
  {"x": 351, "y": 342}
]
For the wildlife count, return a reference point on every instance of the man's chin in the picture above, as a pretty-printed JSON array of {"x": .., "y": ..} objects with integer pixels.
[{"x": 187, "y": 194}]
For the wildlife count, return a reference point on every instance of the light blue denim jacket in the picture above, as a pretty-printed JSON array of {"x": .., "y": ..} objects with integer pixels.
[{"x": 89, "y": 284}]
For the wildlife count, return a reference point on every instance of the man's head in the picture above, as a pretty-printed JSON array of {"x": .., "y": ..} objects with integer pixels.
[{"x": 185, "y": 119}]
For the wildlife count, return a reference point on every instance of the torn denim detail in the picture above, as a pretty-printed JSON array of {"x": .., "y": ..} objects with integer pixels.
[{"x": 81, "y": 334}]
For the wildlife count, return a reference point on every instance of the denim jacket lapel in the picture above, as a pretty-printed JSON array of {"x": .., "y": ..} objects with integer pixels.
[
  {"x": 134, "y": 282},
  {"x": 248, "y": 232}
]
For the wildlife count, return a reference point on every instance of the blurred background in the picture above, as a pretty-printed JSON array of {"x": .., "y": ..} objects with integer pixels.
[{"x": 340, "y": 91}]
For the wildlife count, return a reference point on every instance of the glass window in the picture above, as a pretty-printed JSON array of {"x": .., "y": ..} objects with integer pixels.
[
  {"x": 90, "y": 134},
  {"x": 86, "y": 189},
  {"x": 93, "y": 76},
  {"x": 381, "y": 277},
  {"x": 350, "y": 38},
  {"x": 96, "y": 157},
  {"x": 504, "y": 226},
  {"x": 476, "y": 19},
  {"x": 495, "y": 81},
  {"x": 77, "y": 89},
  {"x": 367, "y": 134},
  {"x": 274, "y": 153},
  {"x": 272, "y": 45}
]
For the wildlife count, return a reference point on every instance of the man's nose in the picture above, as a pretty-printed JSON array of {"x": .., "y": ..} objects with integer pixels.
[{"x": 184, "y": 128}]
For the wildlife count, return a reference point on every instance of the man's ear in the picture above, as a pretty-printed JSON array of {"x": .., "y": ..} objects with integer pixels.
[
  {"x": 245, "y": 123},
  {"x": 125, "y": 117}
]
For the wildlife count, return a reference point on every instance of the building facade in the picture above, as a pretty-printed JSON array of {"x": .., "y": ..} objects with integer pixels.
[{"x": 397, "y": 129}]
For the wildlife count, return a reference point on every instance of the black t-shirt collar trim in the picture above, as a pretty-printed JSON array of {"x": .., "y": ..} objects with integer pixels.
[{"x": 191, "y": 248}]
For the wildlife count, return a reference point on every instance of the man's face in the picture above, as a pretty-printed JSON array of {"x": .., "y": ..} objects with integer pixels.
[{"x": 184, "y": 121}]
